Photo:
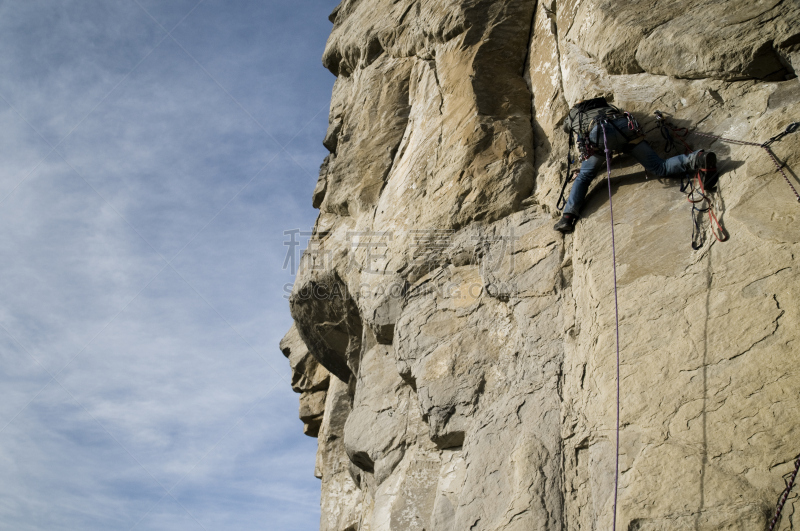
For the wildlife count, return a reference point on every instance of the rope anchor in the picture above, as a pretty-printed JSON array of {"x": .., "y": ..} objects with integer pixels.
[{"x": 791, "y": 128}]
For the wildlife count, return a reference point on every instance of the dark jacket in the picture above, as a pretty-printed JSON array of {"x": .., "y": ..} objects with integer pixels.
[{"x": 583, "y": 114}]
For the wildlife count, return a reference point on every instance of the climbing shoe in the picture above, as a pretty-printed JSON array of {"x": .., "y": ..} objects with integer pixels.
[
  {"x": 706, "y": 162},
  {"x": 566, "y": 224}
]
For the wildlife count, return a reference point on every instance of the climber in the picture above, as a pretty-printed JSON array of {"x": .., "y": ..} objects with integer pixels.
[{"x": 586, "y": 120}]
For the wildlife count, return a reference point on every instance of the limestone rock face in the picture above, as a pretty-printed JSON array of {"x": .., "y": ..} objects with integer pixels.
[{"x": 456, "y": 356}]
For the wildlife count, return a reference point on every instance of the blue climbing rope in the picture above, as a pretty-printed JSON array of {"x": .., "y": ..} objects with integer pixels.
[{"x": 616, "y": 311}]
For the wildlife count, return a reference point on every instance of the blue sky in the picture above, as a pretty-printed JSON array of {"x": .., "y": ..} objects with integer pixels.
[{"x": 154, "y": 152}]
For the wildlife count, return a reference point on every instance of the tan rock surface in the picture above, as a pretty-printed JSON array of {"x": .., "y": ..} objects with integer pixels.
[
  {"x": 471, "y": 348},
  {"x": 309, "y": 378}
]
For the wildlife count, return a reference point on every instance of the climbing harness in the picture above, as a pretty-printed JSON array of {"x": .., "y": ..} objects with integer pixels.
[
  {"x": 586, "y": 147},
  {"x": 693, "y": 186},
  {"x": 605, "y": 112},
  {"x": 785, "y": 494},
  {"x": 603, "y": 124}
]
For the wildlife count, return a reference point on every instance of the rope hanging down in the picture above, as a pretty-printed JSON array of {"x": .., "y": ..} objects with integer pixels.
[
  {"x": 616, "y": 311},
  {"x": 697, "y": 195},
  {"x": 784, "y": 495}
]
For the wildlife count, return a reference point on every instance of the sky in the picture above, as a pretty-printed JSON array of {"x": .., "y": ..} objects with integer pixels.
[{"x": 154, "y": 153}]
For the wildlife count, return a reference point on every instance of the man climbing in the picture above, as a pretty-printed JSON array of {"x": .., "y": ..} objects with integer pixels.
[{"x": 587, "y": 120}]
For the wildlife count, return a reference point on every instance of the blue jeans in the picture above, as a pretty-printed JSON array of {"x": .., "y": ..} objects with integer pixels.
[{"x": 618, "y": 136}]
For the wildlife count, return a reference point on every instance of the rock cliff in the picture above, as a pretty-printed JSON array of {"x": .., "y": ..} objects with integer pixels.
[{"x": 456, "y": 355}]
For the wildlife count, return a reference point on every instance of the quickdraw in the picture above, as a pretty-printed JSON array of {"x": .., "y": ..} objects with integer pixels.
[
  {"x": 667, "y": 131},
  {"x": 791, "y": 128},
  {"x": 682, "y": 132},
  {"x": 693, "y": 187},
  {"x": 697, "y": 196},
  {"x": 562, "y": 201},
  {"x": 633, "y": 125}
]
